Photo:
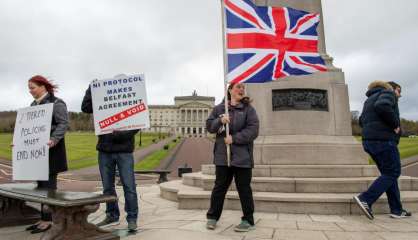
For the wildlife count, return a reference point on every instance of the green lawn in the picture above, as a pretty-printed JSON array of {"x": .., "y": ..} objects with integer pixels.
[
  {"x": 5, "y": 141},
  {"x": 152, "y": 161},
  {"x": 408, "y": 147},
  {"x": 81, "y": 147},
  {"x": 147, "y": 139}
]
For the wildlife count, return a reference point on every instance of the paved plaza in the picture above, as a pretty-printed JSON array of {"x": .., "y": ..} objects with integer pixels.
[{"x": 160, "y": 219}]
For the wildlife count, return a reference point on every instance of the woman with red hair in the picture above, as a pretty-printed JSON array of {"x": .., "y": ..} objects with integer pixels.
[{"x": 43, "y": 91}]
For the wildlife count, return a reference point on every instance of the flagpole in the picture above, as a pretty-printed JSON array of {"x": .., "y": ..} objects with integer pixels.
[{"x": 228, "y": 147}]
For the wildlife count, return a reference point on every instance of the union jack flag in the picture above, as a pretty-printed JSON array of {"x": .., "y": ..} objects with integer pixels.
[{"x": 268, "y": 43}]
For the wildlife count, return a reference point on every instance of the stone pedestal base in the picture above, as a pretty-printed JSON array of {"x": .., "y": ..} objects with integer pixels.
[
  {"x": 70, "y": 223},
  {"x": 308, "y": 150},
  {"x": 14, "y": 212}
]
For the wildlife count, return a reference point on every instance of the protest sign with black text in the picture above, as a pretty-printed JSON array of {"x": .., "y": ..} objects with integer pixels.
[
  {"x": 31, "y": 135},
  {"x": 120, "y": 103}
]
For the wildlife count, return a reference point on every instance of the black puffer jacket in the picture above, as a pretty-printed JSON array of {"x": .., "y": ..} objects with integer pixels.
[
  {"x": 244, "y": 128},
  {"x": 116, "y": 142},
  {"x": 380, "y": 115}
]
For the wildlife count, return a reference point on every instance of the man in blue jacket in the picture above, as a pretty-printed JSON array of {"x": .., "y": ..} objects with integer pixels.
[
  {"x": 116, "y": 149},
  {"x": 381, "y": 132}
]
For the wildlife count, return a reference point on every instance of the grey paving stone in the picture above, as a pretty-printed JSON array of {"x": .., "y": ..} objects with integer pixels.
[
  {"x": 387, "y": 219},
  {"x": 352, "y": 236},
  {"x": 318, "y": 226},
  {"x": 398, "y": 236},
  {"x": 200, "y": 226},
  {"x": 260, "y": 215},
  {"x": 398, "y": 227},
  {"x": 201, "y": 216},
  {"x": 176, "y": 234},
  {"x": 360, "y": 227},
  {"x": 299, "y": 235},
  {"x": 20, "y": 235},
  {"x": 327, "y": 218},
  {"x": 356, "y": 218},
  {"x": 252, "y": 238},
  {"x": 168, "y": 224},
  {"x": 259, "y": 232},
  {"x": 12, "y": 230},
  {"x": 267, "y": 223},
  {"x": 294, "y": 217},
  {"x": 175, "y": 215}
]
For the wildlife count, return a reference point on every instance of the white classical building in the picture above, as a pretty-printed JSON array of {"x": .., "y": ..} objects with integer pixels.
[{"x": 186, "y": 117}]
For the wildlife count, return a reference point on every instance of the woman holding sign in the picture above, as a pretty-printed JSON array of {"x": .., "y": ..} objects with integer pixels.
[
  {"x": 243, "y": 124},
  {"x": 43, "y": 91}
]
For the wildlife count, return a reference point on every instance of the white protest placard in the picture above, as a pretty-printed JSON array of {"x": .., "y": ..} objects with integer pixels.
[
  {"x": 31, "y": 135},
  {"x": 120, "y": 104}
]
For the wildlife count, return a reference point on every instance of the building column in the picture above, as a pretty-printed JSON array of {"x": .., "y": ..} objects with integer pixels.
[{"x": 186, "y": 116}]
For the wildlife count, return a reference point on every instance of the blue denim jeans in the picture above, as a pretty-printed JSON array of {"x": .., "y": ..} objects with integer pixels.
[
  {"x": 125, "y": 164},
  {"x": 386, "y": 156}
]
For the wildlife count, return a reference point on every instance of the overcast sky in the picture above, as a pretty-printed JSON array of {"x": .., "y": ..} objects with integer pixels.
[{"x": 177, "y": 44}]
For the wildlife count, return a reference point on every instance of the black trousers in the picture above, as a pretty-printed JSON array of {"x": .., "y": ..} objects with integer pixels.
[
  {"x": 51, "y": 184},
  {"x": 223, "y": 180}
]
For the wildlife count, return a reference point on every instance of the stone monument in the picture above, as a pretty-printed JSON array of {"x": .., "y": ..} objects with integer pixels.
[{"x": 306, "y": 159}]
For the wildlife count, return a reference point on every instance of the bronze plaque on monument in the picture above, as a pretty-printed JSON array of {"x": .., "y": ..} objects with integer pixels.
[{"x": 299, "y": 99}]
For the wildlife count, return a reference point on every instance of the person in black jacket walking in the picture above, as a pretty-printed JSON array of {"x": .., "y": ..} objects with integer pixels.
[
  {"x": 244, "y": 126},
  {"x": 116, "y": 149},
  {"x": 380, "y": 124},
  {"x": 43, "y": 91}
]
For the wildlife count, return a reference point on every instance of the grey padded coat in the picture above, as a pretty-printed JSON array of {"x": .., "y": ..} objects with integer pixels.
[{"x": 244, "y": 127}]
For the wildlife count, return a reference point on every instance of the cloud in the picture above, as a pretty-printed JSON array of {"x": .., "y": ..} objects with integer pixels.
[{"x": 373, "y": 40}]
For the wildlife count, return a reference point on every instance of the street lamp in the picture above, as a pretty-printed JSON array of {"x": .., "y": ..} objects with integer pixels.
[
  {"x": 140, "y": 137},
  {"x": 159, "y": 133},
  {"x": 161, "y": 123}
]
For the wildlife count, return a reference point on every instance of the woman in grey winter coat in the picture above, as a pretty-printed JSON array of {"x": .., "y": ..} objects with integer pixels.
[
  {"x": 243, "y": 124},
  {"x": 42, "y": 91}
]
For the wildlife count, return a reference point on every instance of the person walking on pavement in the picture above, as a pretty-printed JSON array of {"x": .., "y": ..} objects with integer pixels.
[
  {"x": 380, "y": 122},
  {"x": 116, "y": 150},
  {"x": 244, "y": 126}
]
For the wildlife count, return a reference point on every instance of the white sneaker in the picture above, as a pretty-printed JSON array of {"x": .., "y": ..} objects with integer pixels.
[{"x": 403, "y": 214}]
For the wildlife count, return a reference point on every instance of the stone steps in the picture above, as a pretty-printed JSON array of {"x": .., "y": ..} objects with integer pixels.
[
  {"x": 297, "y": 149},
  {"x": 300, "y": 185},
  {"x": 306, "y": 171},
  {"x": 295, "y": 203}
]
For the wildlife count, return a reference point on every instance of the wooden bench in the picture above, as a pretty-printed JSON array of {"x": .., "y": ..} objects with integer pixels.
[
  {"x": 69, "y": 210},
  {"x": 163, "y": 174}
]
